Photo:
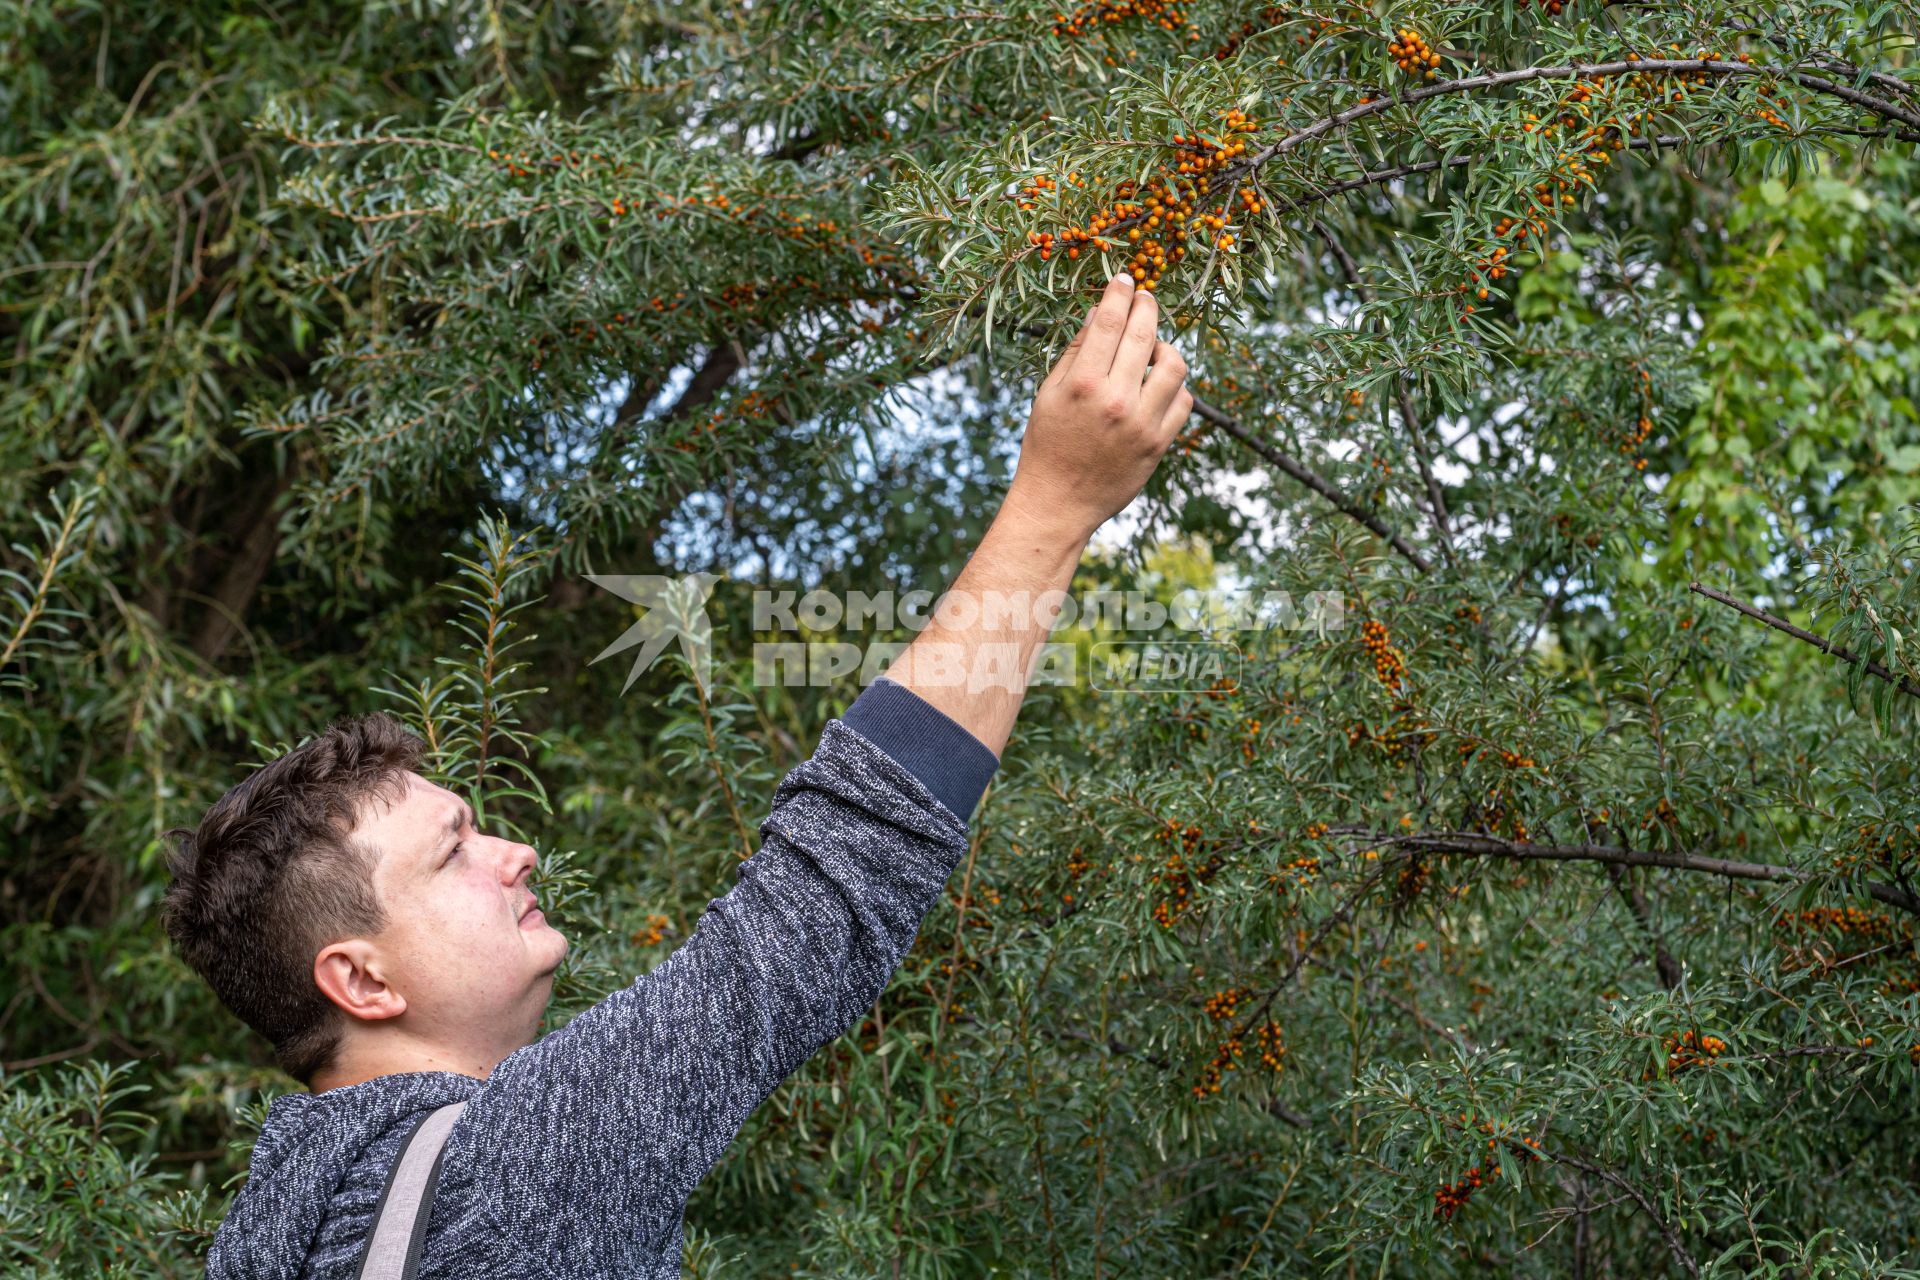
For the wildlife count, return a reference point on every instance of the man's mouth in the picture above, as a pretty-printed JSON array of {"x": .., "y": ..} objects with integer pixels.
[{"x": 533, "y": 905}]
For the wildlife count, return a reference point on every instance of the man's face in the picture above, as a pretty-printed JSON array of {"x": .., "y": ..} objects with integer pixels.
[{"x": 462, "y": 958}]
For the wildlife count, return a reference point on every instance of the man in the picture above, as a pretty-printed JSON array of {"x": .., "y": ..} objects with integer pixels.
[{"x": 348, "y": 910}]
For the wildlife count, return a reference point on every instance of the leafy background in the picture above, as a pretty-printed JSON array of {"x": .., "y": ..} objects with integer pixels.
[{"x": 1550, "y": 917}]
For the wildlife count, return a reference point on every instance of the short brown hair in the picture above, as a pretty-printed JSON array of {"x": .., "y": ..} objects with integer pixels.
[{"x": 272, "y": 874}]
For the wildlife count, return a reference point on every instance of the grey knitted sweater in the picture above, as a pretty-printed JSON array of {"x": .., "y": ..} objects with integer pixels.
[{"x": 576, "y": 1156}]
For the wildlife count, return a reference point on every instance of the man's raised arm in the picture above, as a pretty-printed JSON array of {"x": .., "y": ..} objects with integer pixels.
[{"x": 592, "y": 1138}]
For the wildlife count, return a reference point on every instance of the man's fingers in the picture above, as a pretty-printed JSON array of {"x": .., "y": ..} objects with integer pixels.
[
  {"x": 1108, "y": 325},
  {"x": 1137, "y": 341},
  {"x": 1165, "y": 382},
  {"x": 1177, "y": 415},
  {"x": 1064, "y": 364}
]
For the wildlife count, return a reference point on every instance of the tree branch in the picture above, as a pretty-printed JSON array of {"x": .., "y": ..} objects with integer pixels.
[
  {"x": 1414, "y": 430},
  {"x": 1899, "y": 682},
  {"x": 1467, "y": 844},
  {"x": 1570, "y": 71},
  {"x": 1313, "y": 480}
]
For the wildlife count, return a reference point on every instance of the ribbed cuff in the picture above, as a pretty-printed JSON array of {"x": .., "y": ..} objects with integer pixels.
[{"x": 952, "y": 763}]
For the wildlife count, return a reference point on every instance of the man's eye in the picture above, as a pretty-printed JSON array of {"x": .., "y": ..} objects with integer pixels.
[{"x": 456, "y": 850}]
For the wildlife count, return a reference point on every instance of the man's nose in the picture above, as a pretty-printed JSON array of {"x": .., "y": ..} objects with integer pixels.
[{"x": 521, "y": 859}]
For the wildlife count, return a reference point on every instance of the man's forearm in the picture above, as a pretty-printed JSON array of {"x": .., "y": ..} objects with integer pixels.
[{"x": 974, "y": 658}]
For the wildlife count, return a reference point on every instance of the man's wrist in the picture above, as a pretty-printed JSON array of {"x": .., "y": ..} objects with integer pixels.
[{"x": 1042, "y": 522}]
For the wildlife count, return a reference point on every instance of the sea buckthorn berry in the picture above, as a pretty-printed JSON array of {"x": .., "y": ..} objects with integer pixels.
[
  {"x": 1413, "y": 55},
  {"x": 1388, "y": 665},
  {"x": 1225, "y": 1059},
  {"x": 1222, "y": 1004},
  {"x": 1154, "y": 220},
  {"x": 1273, "y": 1049},
  {"x": 1412, "y": 880},
  {"x": 655, "y": 930},
  {"x": 1691, "y": 1049}
]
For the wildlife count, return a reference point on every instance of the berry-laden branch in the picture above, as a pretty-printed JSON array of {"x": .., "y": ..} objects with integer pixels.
[{"x": 1899, "y": 682}]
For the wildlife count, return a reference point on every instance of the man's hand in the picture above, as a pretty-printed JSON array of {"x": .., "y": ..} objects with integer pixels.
[
  {"x": 1099, "y": 426},
  {"x": 1100, "y": 421}
]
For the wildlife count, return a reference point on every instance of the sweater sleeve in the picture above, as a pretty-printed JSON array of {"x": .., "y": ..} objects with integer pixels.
[{"x": 596, "y": 1134}]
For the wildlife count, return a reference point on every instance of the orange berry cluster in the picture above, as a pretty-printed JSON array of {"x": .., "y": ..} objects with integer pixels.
[
  {"x": 1179, "y": 874},
  {"x": 1399, "y": 737},
  {"x": 1883, "y": 845},
  {"x": 1088, "y": 18},
  {"x": 1511, "y": 759},
  {"x": 1413, "y": 55},
  {"x": 1554, "y": 7},
  {"x": 1167, "y": 213},
  {"x": 1497, "y": 811},
  {"x": 1872, "y": 936},
  {"x": 1222, "y": 686},
  {"x": 1273, "y": 1053},
  {"x": 1273, "y": 1050},
  {"x": 1223, "y": 1061},
  {"x": 1673, "y": 85},
  {"x": 1519, "y": 230},
  {"x": 1222, "y": 1004},
  {"x": 1770, "y": 90},
  {"x": 1465, "y": 615},
  {"x": 948, "y": 970},
  {"x": 1388, "y": 665},
  {"x": 1870, "y": 927},
  {"x": 1077, "y": 866},
  {"x": 1574, "y": 168},
  {"x": 753, "y": 405},
  {"x": 1298, "y": 871},
  {"x": 1452, "y": 1196},
  {"x": 655, "y": 929},
  {"x": 1491, "y": 267},
  {"x": 967, "y": 965},
  {"x": 1632, "y": 440},
  {"x": 1247, "y": 749},
  {"x": 1591, "y": 143},
  {"x": 1691, "y": 1049},
  {"x": 1412, "y": 880},
  {"x": 592, "y": 331},
  {"x": 1192, "y": 438}
]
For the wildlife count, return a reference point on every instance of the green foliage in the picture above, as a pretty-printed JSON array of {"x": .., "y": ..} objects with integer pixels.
[
  {"x": 341, "y": 341},
  {"x": 84, "y": 1193}
]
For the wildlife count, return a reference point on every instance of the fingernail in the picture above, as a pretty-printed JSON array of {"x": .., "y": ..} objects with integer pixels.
[{"x": 1125, "y": 277}]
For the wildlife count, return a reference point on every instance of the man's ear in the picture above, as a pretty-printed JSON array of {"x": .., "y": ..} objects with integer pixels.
[{"x": 350, "y": 974}]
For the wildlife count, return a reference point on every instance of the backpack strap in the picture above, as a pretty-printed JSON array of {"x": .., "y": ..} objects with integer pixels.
[{"x": 392, "y": 1251}]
